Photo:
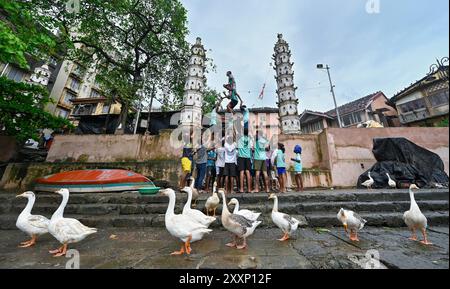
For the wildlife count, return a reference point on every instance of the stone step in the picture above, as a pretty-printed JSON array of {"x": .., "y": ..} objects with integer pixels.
[
  {"x": 311, "y": 196},
  {"x": 323, "y": 219},
  {"x": 290, "y": 208},
  {"x": 317, "y": 219}
]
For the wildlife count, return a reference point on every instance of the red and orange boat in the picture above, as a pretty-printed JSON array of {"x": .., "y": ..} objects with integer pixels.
[{"x": 99, "y": 180}]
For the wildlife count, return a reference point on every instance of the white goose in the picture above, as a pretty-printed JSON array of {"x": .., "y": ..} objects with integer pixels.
[
  {"x": 213, "y": 201},
  {"x": 193, "y": 214},
  {"x": 252, "y": 216},
  {"x": 391, "y": 182},
  {"x": 238, "y": 225},
  {"x": 286, "y": 223},
  {"x": 66, "y": 230},
  {"x": 414, "y": 218},
  {"x": 352, "y": 221},
  {"x": 194, "y": 191},
  {"x": 181, "y": 226},
  {"x": 32, "y": 225},
  {"x": 368, "y": 184}
]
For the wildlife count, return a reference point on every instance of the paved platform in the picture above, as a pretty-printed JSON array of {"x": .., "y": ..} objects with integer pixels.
[{"x": 312, "y": 248}]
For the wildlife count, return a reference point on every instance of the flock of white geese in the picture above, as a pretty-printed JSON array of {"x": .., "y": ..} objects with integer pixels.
[{"x": 192, "y": 225}]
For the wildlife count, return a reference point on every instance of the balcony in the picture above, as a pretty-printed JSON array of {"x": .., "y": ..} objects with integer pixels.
[{"x": 414, "y": 116}]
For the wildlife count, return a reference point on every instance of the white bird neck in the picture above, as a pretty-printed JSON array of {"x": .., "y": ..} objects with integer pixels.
[
  {"x": 60, "y": 211},
  {"x": 27, "y": 210},
  {"x": 275, "y": 204},
  {"x": 171, "y": 207},
  {"x": 225, "y": 207},
  {"x": 413, "y": 200},
  {"x": 189, "y": 200},
  {"x": 236, "y": 207}
]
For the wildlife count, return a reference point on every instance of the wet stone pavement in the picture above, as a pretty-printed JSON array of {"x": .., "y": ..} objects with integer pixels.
[{"x": 140, "y": 248}]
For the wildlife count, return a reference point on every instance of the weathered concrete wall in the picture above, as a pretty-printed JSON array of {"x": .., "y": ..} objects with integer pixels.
[
  {"x": 112, "y": 148},
  {"x": 349, "y": 148},
  {"x": 22, "y": 175},
  {"x": 332, "y": 158}
]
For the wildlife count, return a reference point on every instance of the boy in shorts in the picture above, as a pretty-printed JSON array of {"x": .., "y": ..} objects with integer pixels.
[{"x": 232, "y": 93}]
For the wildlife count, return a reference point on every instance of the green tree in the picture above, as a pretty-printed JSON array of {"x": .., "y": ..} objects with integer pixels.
[
  {"x": 210, "y": 99},
  {"x": 125, "y": 40},
  {"x": 22, "y": 110},
  {"x": 22, "y": 105},
  {"x": 20, "y": 36}
]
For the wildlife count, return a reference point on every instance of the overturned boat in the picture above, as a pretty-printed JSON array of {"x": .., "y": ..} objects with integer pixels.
[{"x": 98, "y": 180}]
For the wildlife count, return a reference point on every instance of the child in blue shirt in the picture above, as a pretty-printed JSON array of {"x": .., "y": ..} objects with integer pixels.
[{"x": 298, "y": 167}]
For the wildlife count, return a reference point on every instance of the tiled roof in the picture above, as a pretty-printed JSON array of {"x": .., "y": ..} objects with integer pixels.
[
  {"x": 416, "y": 85},
  {"x": 355, "y": 105}
]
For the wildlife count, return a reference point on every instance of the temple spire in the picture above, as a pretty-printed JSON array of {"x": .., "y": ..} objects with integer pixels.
[
  {"x": 191, "y": 114},
  {"x": 287, "y": 101}
]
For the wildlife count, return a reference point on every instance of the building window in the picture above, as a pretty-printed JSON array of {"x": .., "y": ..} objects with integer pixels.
[
  {"x": 74, "y": 84},
  {"x": 15, "y": 74},
  {"x": 438, "y": 99},
  {"x": 351, "y": 118},
  {"x": 412, "y": 105},
  {"x": 53, "y": 61},
  {"x": 68, "y": 96},
  {"x": 106, "y": 108},
  {"x": 84, "y": 109},
  {"x": 63, "y": 113},
  {"x": 95, "y": 94}
]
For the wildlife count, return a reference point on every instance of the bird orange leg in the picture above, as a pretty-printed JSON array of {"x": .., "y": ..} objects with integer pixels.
[
  {"x": 354, "y": 236},
  {"x": 62, "y": 252},
  {"x": 425, "y": 239},
  {"x": 243, "y": 246},
  {"x": 284, "y": 238},
  {"x": 187, "y": 245},
  {"x": 56, "y": 250},
  {"x": 28, "y": 243},
  {"x": 179, "y": 252},
  {"x": 413, "y": 236},
  {"x": 232, "y": 244}
]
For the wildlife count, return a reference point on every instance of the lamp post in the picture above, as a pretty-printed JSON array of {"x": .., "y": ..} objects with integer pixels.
[
  {"x": 321, "y": 66},
  {"x": 440, "y": 66}
]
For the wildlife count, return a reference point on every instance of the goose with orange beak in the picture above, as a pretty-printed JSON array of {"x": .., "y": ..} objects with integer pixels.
[
  {"x": 351, "y": 221},
  {"x": 32, "y": 225},
  {"x": 414, "y": 218}
]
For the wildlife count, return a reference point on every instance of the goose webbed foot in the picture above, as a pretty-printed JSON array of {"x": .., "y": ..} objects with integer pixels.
[
  {"x": 425, "y": 238},
  {"x": 243, "y": 246},
  {"x": 181, "y": 252},
  {"x": 61, "y": 251},
  {"x": 284, "y": 238},
  {"x": 354, "y": 236},
  {"x": 29, "y": 243}
]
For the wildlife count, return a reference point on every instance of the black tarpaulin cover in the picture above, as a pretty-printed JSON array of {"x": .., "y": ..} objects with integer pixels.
[{"x": 406, "y": 163}]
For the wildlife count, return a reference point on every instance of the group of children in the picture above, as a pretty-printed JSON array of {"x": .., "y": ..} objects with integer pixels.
[
  {"x": 245, "y": 160},
  {"x": 238, "y": 163}
]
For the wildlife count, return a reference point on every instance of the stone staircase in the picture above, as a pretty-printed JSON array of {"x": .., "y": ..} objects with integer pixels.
[{"x": 314, "y": 208}]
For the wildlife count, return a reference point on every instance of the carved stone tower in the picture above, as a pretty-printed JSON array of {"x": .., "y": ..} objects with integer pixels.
[
  {"x": 287, "y": 101},
  {"x": 191, "y": 114}
]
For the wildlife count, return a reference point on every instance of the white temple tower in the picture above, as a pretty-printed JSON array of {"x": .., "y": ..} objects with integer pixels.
[
  {"x": 191, "y": 114},
  {"x": 287, "y": 101}
]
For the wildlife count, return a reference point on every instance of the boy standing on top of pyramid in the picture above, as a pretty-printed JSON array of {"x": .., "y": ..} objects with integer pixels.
[{"x": 232, "y": 93}]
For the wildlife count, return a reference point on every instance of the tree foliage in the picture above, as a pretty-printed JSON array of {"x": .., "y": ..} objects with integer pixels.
[
  {"x": 126, "y": 40},
  {"x": 20, "y": 36},
  {"x": 22, "y": 110}
]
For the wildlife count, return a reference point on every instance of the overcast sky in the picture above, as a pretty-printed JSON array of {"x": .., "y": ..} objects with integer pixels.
[{"x": 367, "y": 52}]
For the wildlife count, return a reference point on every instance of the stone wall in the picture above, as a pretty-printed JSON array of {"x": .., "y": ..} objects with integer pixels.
[
  {"x": 350, "y": 148},
  {"x": 334, "y": 158}
]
